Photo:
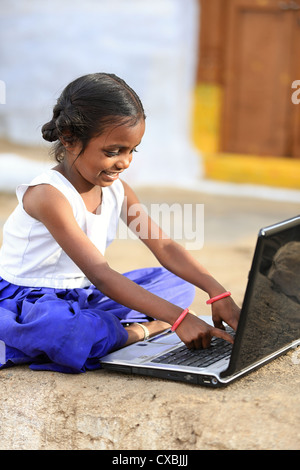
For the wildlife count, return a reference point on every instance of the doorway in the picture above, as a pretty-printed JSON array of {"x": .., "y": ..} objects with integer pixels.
[{"x": 262, "y": 60}]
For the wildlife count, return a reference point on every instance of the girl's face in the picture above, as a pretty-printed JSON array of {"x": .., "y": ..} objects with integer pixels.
[{"x": 106, "y": 156}]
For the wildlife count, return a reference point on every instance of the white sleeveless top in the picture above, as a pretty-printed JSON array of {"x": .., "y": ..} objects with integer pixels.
[{"x": 30, "y": 256}]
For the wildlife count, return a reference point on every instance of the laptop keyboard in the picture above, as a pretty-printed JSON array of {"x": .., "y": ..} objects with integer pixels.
[{"x": 219, "y": 349}]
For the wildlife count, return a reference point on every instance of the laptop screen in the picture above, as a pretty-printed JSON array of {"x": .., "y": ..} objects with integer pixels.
[{"x": 270, "y": 318}]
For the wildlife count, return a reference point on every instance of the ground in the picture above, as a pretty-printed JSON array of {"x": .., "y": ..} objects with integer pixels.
[{"x": 105, "y": 410}]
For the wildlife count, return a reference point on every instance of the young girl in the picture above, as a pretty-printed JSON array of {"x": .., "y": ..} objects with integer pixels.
[{"x": 62, "y": 306}]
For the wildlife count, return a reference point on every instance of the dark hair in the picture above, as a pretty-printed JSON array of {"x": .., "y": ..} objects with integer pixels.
[{"x": 87, "y": 106}]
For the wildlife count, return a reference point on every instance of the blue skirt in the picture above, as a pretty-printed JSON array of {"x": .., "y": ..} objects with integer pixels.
[{"x": 68, "y": 330}]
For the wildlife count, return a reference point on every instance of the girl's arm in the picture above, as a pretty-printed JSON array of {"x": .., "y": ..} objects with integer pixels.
[
  {"x": 179, "y": 261},
  {"x": 49, "y": 206}
]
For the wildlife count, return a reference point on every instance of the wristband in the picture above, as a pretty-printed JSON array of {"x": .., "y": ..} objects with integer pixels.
[
  {"x": 179, "y": 319},
  {"x": 218, "y": 297}
]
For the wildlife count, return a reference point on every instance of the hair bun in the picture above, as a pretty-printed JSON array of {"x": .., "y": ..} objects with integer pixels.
[{"x": 49, "y": 131}]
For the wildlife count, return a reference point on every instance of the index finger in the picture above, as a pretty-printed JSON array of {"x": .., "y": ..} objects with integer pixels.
[{"x": 222, "y": 334}]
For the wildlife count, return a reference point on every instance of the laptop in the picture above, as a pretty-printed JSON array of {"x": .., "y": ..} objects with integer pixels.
[{"x": 269, "y": 324}]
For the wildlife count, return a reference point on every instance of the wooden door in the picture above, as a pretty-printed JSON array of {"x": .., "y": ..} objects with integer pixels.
[{"x": 262, "y": 61}]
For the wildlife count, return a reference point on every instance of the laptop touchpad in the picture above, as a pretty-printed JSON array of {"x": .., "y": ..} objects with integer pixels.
[{"x": 168, "y": 337}]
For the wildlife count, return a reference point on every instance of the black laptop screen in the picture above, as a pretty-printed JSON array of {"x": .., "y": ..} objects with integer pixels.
[{"x": 270, "y": 317}]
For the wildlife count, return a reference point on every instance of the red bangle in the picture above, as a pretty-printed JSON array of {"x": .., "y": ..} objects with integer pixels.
[
  {"x": 218, "y": 297},
  {"x": 179, "y": 319}
]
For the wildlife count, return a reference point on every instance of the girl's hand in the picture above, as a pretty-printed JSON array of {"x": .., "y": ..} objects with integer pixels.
[
  {"x": 225, "y": 310},
  {"x": 197, "y": 334}
]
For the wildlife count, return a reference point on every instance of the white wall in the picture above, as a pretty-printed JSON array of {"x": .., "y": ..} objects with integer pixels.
[{"x": 151, "y": 44}]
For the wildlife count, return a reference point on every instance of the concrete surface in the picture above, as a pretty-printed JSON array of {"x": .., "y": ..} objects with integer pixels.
[{"x": 105, "y": 410}]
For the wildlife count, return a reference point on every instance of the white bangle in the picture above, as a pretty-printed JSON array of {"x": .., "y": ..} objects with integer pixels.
[{"x": 146, "y": 331}]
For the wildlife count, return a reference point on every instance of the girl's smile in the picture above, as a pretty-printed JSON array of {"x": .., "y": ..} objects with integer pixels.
[
  {"x": 112, "y": 175},
  {"x": 104, "y": 158}
]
